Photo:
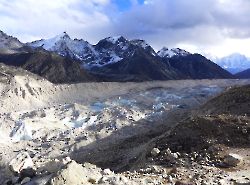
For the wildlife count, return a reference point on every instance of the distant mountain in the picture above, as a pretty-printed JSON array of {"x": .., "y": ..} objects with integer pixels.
[
  {"x": 196, "y": 66},
  {"x": 51, "y": 66},
  {"x": 244, "y": 74},
  {"x": 234, "y": 63},
  {"x": 9, "y": 44}
]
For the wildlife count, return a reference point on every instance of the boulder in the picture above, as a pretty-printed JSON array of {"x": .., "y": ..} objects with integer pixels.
[
  {"x": 21, "y": 162},
  {"x": 25, "y": 180},
  {"x": 168, "y": 155},
  {"x": 232, "y": 160},
  {"x": 74, "y": 173},
  {"x": 155, "y": 152}
]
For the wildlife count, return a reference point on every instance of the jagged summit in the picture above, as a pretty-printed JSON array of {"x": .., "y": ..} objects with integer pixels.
[
  {"x": 168, "y": 53},
  {"x": 65, "y": 46},
  {"x": 140, "y": 42},
  {"x": 48, "y": 44},
  {"x": 115, "y": 39},
  {"x": 107, "y": 51}
]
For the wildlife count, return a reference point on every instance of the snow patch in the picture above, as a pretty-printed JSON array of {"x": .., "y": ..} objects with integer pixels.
[
  {"x": 113, "y": 40},
  {"x": 169, "y": 53},
  {"x": 141, "y": 43}
]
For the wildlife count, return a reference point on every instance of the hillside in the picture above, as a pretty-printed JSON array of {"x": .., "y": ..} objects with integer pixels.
[
  {"x": 51, "y": 66},
  {"x": 244, "y": 74},
  {"x": 195, "y": 66},
  {"x": 221, "y": 120}
]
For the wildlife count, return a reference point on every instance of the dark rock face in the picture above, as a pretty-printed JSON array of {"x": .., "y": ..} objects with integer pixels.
[
  {"x": 51, "y": 66},
  {"x": 140, "y": 67},
  {"x": 196, "y": 66},
  {"x": 244, "y": 74}
]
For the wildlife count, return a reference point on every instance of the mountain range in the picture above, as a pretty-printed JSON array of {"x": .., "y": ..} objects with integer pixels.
[{"x": 65, "y": 60}]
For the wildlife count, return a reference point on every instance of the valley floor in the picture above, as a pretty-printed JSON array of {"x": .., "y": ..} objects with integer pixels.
[{"x": 112, "y": 125}]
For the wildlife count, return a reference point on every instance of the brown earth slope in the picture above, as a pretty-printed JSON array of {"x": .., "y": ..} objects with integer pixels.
[{"x": 222, "y": 120}]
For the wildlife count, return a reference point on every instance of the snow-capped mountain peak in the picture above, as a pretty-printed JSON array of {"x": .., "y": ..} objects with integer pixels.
[
  {"x": 234, "y": 63},
  {"x": 65, "y": 46},
  {"x": 106, "y": 51},
  {"x": 168, "y": 53},
  {"x": 48, "y": 44}
]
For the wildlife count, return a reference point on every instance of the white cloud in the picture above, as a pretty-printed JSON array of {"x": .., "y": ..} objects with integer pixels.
[
  {"x": 201, "y": 24},
  {"x": 212, "y": 26},
  {"x": 46, "y": 18}
]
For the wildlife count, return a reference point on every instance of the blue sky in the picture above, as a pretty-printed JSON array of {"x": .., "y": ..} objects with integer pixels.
[
  {"x": 125, "y": 5},
  {"x": 213, "y": 27}
]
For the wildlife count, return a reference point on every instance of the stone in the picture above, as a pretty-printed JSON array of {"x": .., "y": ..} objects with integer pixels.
[
  {"x": 66, "y": 160},
  {"x": 244, "y": 131},
  {"x": 242, "y": 183},
  {"x": 107, "y": 172},
  {"x": 20, "y": 162},
  {"x": 29, "y": 172},
  {"x": 182, "y": 183},
  {"x": 74, "y": 173},
  {"x": 103, "y": 180},
  {"x": 53, "y": 166},
  {"x": 155, "y": 152},
  {"x": 232, "y": 160},
  {"x": 25, "y": 180},
  {"x": 170, "y": 179},
  {"x": 14, "y": 180},
  {"x": 115, "y": 179},
  {"x": 168, "y": 155}
]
